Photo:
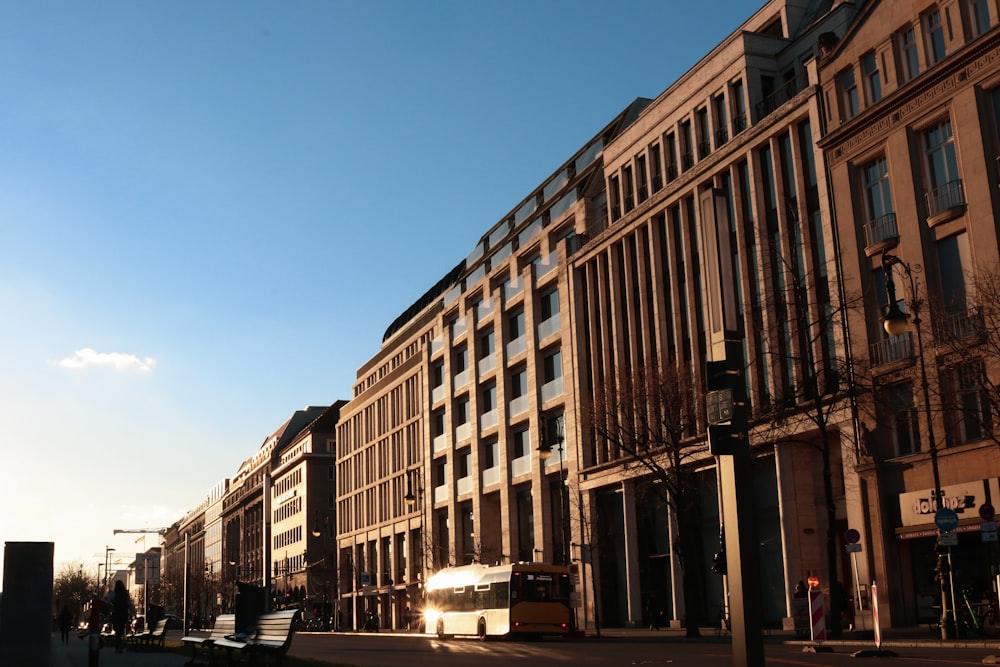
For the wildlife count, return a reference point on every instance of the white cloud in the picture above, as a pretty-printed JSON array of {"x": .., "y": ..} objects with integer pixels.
[{"x": 88, "y": 357}]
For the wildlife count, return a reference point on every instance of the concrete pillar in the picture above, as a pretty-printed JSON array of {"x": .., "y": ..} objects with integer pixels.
[
  {"x": 26, "y": 613},
  {"x": 633, "y": 592}
]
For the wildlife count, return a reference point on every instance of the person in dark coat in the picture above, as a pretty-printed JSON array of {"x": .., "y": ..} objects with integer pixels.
[
  {"x": 65, "y": 621},
  {"x": 121, "y": 606}
]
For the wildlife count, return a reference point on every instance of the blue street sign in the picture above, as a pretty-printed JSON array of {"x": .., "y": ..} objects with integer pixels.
[{"x": 946, "y": 520}]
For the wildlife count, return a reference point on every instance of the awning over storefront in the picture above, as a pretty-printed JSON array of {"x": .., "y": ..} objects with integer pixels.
[{"x": 929, "y": 530}]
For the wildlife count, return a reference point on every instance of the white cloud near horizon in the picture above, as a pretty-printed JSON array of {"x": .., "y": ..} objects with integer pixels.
[{"x": 120, "y": 361}]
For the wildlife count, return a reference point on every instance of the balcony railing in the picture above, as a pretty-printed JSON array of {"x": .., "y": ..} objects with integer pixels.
[
  {"x": 881, "y": 234},
  {"x": 463, "y": 432},
  {"x": 486, "y": 364},
  {"x": 441, "y": 443},
  {"x": 488, "y": 420},
  {"x": 892, "y": 349},
  {"x": 491, "y": 476},
  {"x": 739, "y": 123},
  {"x": 521, "y": 465},
  {"x": 438, "y": 393},
  {"x": 440, "y": 493},
  {"x": 552, "y": 389},
  {"x": 792, "y": 87},
  {"x": 461, "y": 379},
  {"x": 463, "y": 486},
  {"x": 945, "y": 202},
  {"x": 517, "y": 406},
  {"x": 549, "y": 327},
  {"x": 517, "y": 346},
  {"x": 966, "y": 325}
]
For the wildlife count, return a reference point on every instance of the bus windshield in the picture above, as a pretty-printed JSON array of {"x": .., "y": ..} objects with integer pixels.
[{"x": 539, "y": 587}]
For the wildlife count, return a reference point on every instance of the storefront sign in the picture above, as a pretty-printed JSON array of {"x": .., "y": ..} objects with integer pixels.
[{"x": 965, "y": 499}]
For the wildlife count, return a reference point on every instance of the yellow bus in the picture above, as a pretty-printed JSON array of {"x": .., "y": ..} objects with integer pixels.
[{"x": 517, "y": 600}]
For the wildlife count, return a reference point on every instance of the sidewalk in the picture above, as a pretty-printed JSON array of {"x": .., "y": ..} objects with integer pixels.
[
  {"x": 76, "y": 654},
  {"x": 892, "y": 637}
]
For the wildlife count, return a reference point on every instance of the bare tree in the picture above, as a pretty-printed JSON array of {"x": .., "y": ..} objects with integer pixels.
[
  {"x": 651, "y": 417},
  {"x": 818, "y": 385},
  {"x": 967, "y": 337},
  {"x": 72, "y": 587}
]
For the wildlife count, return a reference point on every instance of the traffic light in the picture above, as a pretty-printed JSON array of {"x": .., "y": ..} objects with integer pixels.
[{"x": 725, "y": 406}]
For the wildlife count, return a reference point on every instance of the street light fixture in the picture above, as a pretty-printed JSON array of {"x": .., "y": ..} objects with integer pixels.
[
  {"x": 544, "y": 454},
  {"x": 896, "y": 323}
]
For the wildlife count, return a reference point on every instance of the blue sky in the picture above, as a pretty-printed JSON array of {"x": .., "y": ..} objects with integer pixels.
[{"x": 211, "y": 211}]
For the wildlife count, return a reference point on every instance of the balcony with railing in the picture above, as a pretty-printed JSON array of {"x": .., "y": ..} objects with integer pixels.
[
  {"x": 552, "y": 389},
  {"x": 739, "y": 123},
  {"x": 438, "y": 393},
  {"x": 548, "y": 327},
  {"x": 517, "y": 346},
  {"x": 891, "y": 350},
  {"x": 488, "y": 420},
  {"x": 440, "y": 493},
  {"x": 491, "y": 476},
  {"x": 790, "y": 89},
  {"x": 517, "y": 406},
  {"x": 440, "y": 443},
  {"x": 945, "y": 202},
  {"x": 463, "y": 486},
  {"x": 486, "y": 364},
  {"x": 461, "y": 379},
  {"x": 881, "y": 234},
  {"x": 521, "y": 465},
  {"x": 484, "y": 309},
  {"x": 967, "y": 325},
  {"x": 463, "y": 432}
]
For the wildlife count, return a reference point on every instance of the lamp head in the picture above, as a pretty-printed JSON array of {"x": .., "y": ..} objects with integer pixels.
[
  {"x": 544, "y": 452},
  {"x": 895, "y": 321}
]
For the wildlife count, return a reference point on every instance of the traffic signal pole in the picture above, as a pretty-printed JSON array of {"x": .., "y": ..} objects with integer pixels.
[{"x": 726, "y": 405}]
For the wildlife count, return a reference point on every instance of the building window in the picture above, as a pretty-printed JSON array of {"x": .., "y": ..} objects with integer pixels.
[
  {"x": 549, "y": 305},
  {"x": 848, "y": 93},
  {"x": 670, "y": 145},
  {"x": 656, "y": 162},
  {"x": 464, "y": 463},
  {"x": 521, "y": 443},
  {"x": 515, "y": 324},
  {"x": 880, "y": 221},
  {"x": 872, "y": 78},
  {"x": 491, "y": 453},
  {"x": 687, "y": 146},
  {"x": 721, "y": 120},
  {"x": 704, "y": 140},
  {"x": 906, "y": 48},
  {"x": 977, "y": 16},
  {"x": 552, "y": 367},
  {"x": 934, "y": 31},
  {"x": 739, "y": 107},
  {"x": 969, "y": 413},
  {"x": 518, "y": 382},
  {"x": 488, "y": 397},
  {"x": 901, "y": 418},
  {"x": 640, "y": 170},
  {"x": 944, "y": 186},
  {"x": 954, "y": 260},
  {"x": 628, "y": 188}
]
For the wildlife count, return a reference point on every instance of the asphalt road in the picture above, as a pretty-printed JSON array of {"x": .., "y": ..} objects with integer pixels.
[{"x": 385, "y": 650}]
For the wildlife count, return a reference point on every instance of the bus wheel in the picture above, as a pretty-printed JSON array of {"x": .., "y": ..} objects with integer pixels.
[
  {"x": 440, "y": 629},
  {"x": 481, "y": 632}
]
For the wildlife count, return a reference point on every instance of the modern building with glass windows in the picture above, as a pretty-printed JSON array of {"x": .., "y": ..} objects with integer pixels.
[
  {"x": 438, "y": 450},
  {"x": 914, "y": 174},
  {"x": 599, "y": 271}
]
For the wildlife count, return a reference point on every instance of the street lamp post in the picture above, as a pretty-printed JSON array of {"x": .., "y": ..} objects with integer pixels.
[
  {"x": 896, "y": 323},
  {"x": 544, "y": 453}
]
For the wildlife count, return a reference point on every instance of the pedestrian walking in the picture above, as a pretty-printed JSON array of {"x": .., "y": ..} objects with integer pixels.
[
  {"x": 65, "y": 622},
  {"x": 121, "y": 610}
]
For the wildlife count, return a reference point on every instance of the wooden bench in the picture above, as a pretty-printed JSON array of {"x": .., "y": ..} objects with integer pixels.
[
  {"x": 156, "y": 635},
  {"x": 272, "y": 638},
  {"x": 225, "y": 625}
]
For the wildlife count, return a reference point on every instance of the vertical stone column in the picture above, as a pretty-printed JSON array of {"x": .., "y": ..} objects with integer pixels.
[
  {"x": 26, "y": 611},
  {"x": 633, "y": 592}
]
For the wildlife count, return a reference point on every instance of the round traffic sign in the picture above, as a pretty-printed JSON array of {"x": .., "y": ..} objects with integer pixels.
[
  {"x": 946, "y": 520},
  {"x": 852, "y": 536},
  {"x": 986, "y": 512}
]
